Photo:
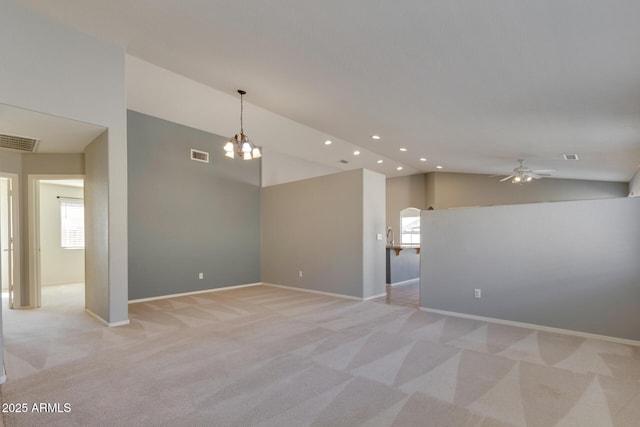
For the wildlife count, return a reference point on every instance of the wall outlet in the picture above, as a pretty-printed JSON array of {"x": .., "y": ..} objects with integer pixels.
[
  {"x": 299, "y": 273},
  {"x": 477, "y": 293},
  {"x": 200, "y": 276}
]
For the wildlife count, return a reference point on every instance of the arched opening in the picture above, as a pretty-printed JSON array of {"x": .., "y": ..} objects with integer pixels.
[{"x": 410, "y": 227}]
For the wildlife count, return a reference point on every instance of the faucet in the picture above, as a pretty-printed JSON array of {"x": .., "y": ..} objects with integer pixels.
[{"x": 390, "y": 231}]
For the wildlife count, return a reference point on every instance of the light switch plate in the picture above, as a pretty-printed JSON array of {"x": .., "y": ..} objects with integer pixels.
[{"x": 379, "y": 236}]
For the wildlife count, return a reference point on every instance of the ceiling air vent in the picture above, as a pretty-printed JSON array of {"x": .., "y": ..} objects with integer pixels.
[
  {"x": 570, "y": 156},
  {"x": 18, "y": 143},
  {"x": 199, "y": 156},
  {"x": 344, "y": 162}
]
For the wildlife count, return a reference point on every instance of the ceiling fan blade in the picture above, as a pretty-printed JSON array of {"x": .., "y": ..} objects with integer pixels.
[
  {"x": 534, "y": 175},
  {"x": 507, "y": 178},
  {"x": 544, "y": 171}
]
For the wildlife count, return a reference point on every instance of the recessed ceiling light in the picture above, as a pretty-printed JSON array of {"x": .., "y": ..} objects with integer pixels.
[
  {"x": 438, "y": 167},
  {"x": 328, "y": 142},
  {"x": 380, "y": 161},
  {"x": 356, "y": 153},
  {"x": 422, "y": 159},
  {"x": 399, "y": 168},
  {"x": 375, "y": 136},
  {"x": 403, "y": 149}
]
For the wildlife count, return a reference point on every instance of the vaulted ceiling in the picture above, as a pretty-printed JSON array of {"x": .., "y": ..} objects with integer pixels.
[{"x": 469, "y": 85}]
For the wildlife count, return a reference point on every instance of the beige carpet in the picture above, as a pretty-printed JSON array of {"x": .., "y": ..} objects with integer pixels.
[{"x": 265, "y": 356}]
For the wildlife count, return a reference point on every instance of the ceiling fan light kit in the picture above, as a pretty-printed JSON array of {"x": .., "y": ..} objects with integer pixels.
[
  {"x": 240, "y": 144},
  {"x": 522, "y": 174}
]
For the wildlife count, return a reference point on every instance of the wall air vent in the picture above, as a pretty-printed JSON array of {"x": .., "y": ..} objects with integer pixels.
[
  {"x": 570, "y": 156},
  {"x": 18, "y": 143},
  {"x": 199, "y": 156}
]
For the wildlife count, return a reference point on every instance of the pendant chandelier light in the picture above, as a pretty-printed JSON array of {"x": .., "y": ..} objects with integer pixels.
[{"x": 241, "y": 144}]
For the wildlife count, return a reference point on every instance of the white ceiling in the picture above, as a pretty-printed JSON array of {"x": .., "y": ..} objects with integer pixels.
[
  {"x": 470, "y": 85},
  {"x": 56, "y": 134}
]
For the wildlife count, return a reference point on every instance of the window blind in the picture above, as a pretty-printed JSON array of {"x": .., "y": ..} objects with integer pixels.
[{"x": 72, "y": 223}]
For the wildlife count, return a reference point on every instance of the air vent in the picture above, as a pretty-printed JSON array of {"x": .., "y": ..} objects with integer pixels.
[
  {"x": 18, "y": 143},
  {"x": 570, "y": 156},
  {"x": 344, "y": 162},
  {"x": 199, "y": 156}
]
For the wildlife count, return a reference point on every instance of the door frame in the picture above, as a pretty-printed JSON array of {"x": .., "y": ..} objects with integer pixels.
[
  {"x": 16, "y": 268},
  {"x": 35, "y": 267}
]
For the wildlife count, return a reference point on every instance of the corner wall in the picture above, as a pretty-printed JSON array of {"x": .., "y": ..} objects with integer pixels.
[
  {"x": 188, "y": 217},
  {"x": 318, "y": 226},
  {"x": 96, "y": 204},
  {"x": 570, "y": 265},
  {"x": 373, "y": 223}
]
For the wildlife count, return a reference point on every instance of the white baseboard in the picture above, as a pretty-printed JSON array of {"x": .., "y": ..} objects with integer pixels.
[
  {"x": 404, "y": 282},
  {"x": 226, "y": 288},
  {"x": 331, "y": 294},
  {"x": 104, "y": 322},
  {"x": 534, "y": 326},
  {"x": 384, "y": 294}
]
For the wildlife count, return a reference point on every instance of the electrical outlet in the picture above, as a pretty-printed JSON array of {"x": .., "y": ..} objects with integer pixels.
[
  {"x": 477, "y": 293},
  {"x": 299, "y": 273},
  {"x": 200, "y": 276}
]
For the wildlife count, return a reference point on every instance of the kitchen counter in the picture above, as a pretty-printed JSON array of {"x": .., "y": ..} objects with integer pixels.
[{"x": 403, "y": 264}]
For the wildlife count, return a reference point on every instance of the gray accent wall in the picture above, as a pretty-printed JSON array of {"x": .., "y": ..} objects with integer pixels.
[
  {"x": 188, "y": 217},
  {"x": 570, "y": 265},
  {"x": 318, "y": 226}
]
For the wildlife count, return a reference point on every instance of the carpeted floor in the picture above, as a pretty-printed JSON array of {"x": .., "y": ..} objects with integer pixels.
[{"x": 265, "y": 356}]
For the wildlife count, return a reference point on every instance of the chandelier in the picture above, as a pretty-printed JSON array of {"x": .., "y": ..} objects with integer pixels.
[{"x": 240, "y": 144}]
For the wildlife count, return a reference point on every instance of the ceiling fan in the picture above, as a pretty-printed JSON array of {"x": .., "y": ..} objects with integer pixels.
[{"x": 523, "y": 174}]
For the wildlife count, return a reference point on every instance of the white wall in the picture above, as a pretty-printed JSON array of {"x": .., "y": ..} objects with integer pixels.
[
  {"x": 57, "y": 265},
  {"x": 59, "y": 71}
]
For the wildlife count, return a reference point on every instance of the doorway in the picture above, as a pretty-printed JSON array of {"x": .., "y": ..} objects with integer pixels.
[
  {"x": 9, "y": 239},
  {"x": 57, "y": 239}
]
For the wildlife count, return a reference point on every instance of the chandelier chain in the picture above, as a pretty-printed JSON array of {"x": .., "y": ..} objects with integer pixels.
[{"x": 241, "y": 111}]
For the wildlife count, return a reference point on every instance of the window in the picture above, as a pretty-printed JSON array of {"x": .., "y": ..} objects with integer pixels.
[
  {"x": 410, "y": 226},
  {"x": 72, "y": 223}
]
